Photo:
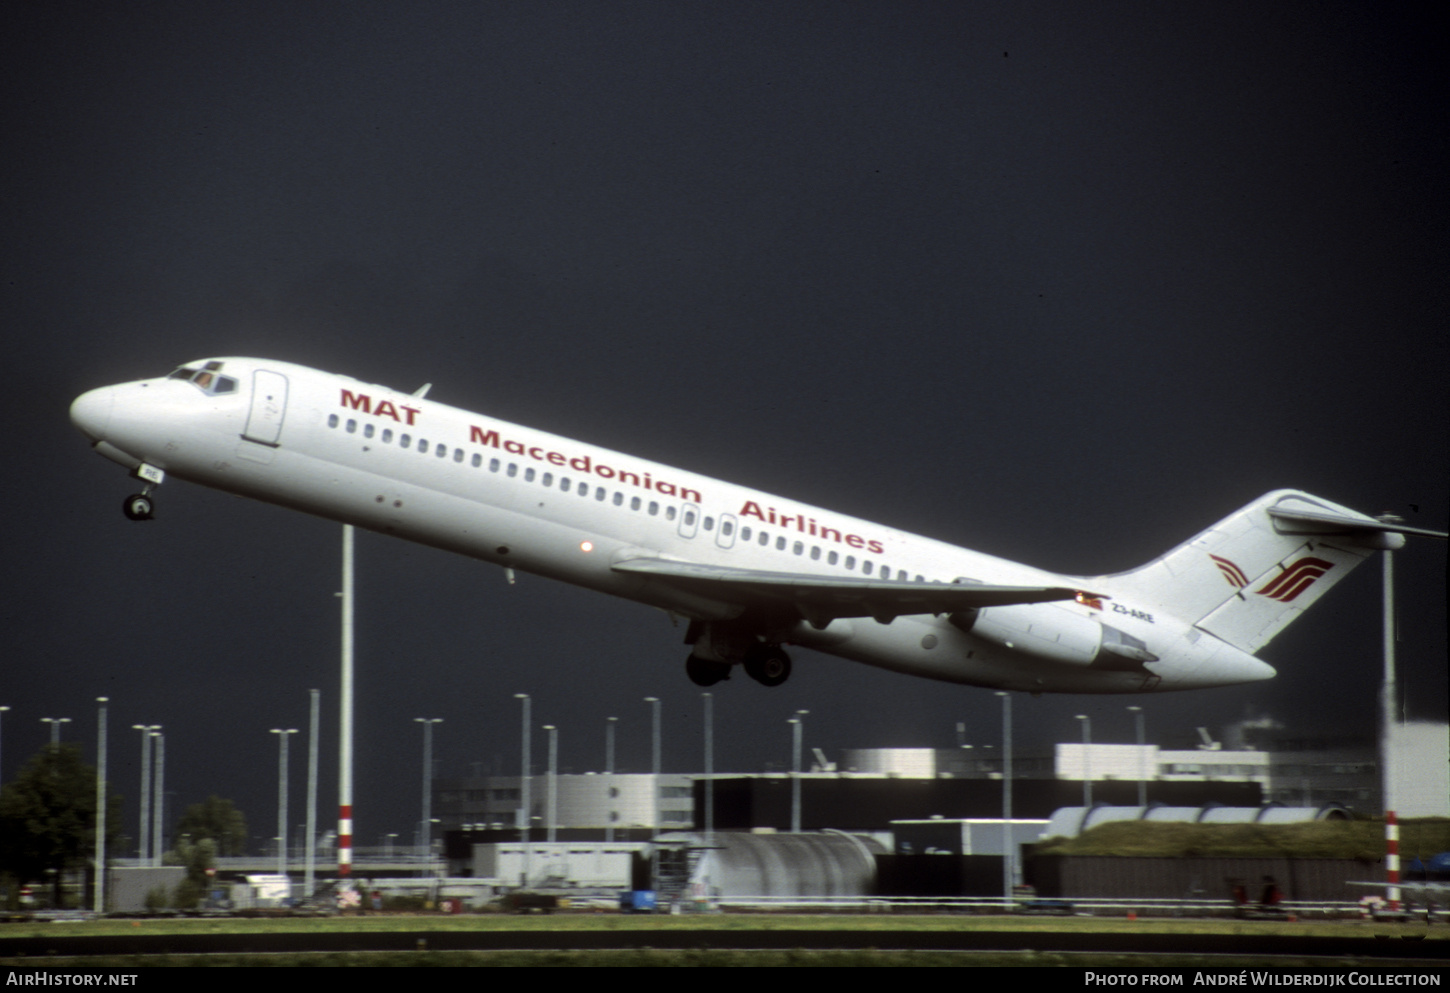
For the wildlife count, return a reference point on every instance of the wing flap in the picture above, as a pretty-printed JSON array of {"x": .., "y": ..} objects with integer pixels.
[{"x": 821, "y": 599}]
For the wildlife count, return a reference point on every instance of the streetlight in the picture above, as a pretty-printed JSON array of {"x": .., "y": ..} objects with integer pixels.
[
  {"x": 709, "y": 769},
  {"x": 2, "y": 712},
  {"x": 1137, "y": 713},
  {"x": 609, "y": 724},
  {"x": 1388, "y": 694},
  {"x": 553, "y": 781},
  {"x": 1009, "y": 850},
  {"x": 282, "y": 736},
  {"x": 428, "y": 723},
  {"x": 55, "y": 723},
  {"x": 309, "y": 874},
  {"x": 101, "y": 805},
  {"x": 523, "y": 819},
  {"x": 795, "y": 778},
  {"x": 144, "y": 850},
  {"x": 158, "y": 787},
  {"x": 1087, "y": 767},
  {"x": 654, "y": 703}
]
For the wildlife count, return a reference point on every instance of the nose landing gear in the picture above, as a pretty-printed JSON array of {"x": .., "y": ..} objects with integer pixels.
[{"x": 140, "y": 506}]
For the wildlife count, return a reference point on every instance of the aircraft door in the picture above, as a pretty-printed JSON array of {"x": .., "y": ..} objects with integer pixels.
[
  {"x": 689, "y": 520},
  {"x": 269, "y": 405},
  {"x": 725, "y": 537}
]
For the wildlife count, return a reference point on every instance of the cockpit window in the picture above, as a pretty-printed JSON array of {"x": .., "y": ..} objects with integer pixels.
[{"x": 207, "y": 379}]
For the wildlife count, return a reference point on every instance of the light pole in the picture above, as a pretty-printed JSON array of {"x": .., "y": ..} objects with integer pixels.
[
  {"x": 709, "y": 770},
  {"x": 2, "y": 771},
  {"x": 523, "y": 819},
  {"x": 798, "y": 722},
  {"x": 101, "y": 806},
  {"x": 282, "y": 736},
  {"x": 158, "y": 807},
  {"x": 428, "y": 723},
  {"x": 1009, "y": 850},
  {"x": 1389, "y": 692},
  {"x": 1137, "y": 713},
  {"x": 609, "y": 778},
  {"x": 144, "y": 849},
  {"x": 309, "y": 877},
  {"x": 55, "y": 723},
  {"x": 345, "y": 715},
  {"x": 1087, "y": 763},
  {"x": 553, "y": 795},
  {"x": 654, "y": 703}
]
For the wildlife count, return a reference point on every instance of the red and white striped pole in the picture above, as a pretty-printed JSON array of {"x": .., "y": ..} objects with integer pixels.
[
  {"x": 1389, "y": 695},
  {"x": 344, "y": 771},
  {"x": 1392, "y": 860}
]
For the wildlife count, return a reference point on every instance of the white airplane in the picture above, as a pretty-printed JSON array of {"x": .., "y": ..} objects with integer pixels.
[{"x": 751, "y": 571}]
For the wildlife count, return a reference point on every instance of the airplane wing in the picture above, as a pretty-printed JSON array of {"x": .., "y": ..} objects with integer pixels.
[{"x": 821, "y": 599}]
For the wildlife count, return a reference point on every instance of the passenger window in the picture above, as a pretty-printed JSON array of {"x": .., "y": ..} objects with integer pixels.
[
  {"x": 367, "y": 430},
  {"x": 709, "y": 524},
  {"x": 866, "y": 568},
  {"x": 815, "y": 553},
  {"x": 477, "y": 460},
  {"x": 634, "y": 503},
  {"x": 726, "y": 528},
  {"x": 689, "y": 522},
  {"x": 387, "y": 436},
  {"x": 850, "y": 562},
  {"x": 800, "y": 546},
  {"x": 599, "y": 493},
  {"x": 618, "y": 499},
  {"x": 513, "y": 470},
  {"x": 493, "y": 465},
  {"x": 832, "y": 558},
  {"x": 548, "y": 479},
  {"x": 441, "y": 451},
  {"x": 654, "y": 508},
  {"x": 351, "y": 426},
  {"x": 529, "y": 474},
  {"x": 780, "y": 543},
  {"x": 423, "y": 445},
  {"x": 744, "y": 534},
  {"x": 564, "y": 484},
  {"x": 764, "y": 538},
  {"x": 458, "y": 455},
  {"x": 331, "y": 418},
  {"x": 669, "y": 513}
]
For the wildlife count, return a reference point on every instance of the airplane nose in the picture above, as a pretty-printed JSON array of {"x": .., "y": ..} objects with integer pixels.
[{"x": 91, "y": 413}]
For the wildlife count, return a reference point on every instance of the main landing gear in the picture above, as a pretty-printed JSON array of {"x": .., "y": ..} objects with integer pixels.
[{"x": 768, "y": 665}]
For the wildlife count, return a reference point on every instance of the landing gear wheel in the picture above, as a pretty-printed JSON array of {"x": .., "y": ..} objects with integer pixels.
[
  {"x": 138, "y": 507},
  {"x": 768, "y": 665},
  {"x": 703, "y": 672}
]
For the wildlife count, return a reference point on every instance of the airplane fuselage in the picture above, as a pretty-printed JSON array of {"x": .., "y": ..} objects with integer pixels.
[{"x": 527, "y": 500}]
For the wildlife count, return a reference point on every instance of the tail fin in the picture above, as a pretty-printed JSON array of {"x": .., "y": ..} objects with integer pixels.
[{"x": 1252, "y": 574}]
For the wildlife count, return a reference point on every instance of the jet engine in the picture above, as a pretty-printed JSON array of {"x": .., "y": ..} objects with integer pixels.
[{"x": 1049, "y": 632}]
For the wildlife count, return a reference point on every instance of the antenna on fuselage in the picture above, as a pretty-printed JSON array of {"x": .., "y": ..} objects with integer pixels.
[{"x": 422, "y": 391}]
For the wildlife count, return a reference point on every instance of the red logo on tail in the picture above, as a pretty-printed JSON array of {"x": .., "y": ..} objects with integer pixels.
[
  {"x": 1295, "y": 579},
  {"x": 1231, "y": 572}
]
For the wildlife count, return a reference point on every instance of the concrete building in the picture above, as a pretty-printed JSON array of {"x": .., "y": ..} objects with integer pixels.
[{"x": 593, "y": 800}]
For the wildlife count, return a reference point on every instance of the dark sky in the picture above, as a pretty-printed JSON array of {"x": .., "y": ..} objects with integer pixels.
[{"x": 1061, "y": 282}]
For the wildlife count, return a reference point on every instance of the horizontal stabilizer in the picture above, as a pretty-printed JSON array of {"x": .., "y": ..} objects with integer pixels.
[
  {"x": 1323, "y": 523},
  {"x": 822, "y": 599}
]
